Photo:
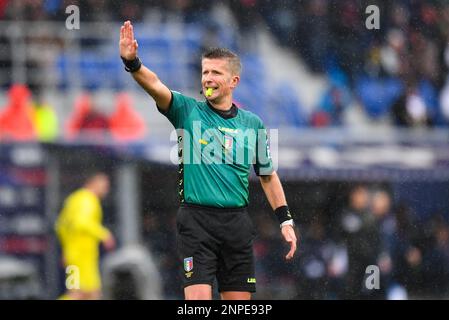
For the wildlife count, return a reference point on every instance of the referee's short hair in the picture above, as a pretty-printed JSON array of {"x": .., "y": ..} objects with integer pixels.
[{"x": 224, "y": 53}]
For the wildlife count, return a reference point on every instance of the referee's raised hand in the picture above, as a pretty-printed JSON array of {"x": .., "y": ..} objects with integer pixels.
[{"x": 128, "y": 45}]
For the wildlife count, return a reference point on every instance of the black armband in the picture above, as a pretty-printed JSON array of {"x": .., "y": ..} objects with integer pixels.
[
  {"x": 132, "y": 65},
  {"x": 283, "y": 214}
]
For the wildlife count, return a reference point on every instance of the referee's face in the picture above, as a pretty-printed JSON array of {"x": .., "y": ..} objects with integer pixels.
[{"x": 217, "y": 74}]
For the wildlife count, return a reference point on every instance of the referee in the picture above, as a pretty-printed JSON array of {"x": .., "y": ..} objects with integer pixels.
[{"x": 217, "y": 144}]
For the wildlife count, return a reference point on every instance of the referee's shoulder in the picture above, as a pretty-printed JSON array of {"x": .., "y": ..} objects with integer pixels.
[
  {"x": 185, "y": 96},
  {"x": 251, "y": 116}
]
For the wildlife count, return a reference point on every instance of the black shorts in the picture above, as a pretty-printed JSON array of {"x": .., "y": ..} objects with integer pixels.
[{"x": 216, "y": 243}]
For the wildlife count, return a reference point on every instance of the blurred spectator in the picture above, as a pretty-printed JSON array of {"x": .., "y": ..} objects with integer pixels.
[
  {"x": 362, "y": 240},
  {"x": 45, "y": 120},
  {"x": 408, "y": 247},
  {"x": 381, "y": 209},
  {"x": 393, "y": 57},
  {"x": 284, "y": 18},
  {"x": 16, "y": 122},
  {"x": 412, "y": 109},
  {"x": 56, "y": 8},
  {"x": 81, "y": 109},
  {"x": 125, "y": 123},
  {"x": 386, "y": 225},
  {"x": 95, "y": 10},
  {"x": 316, "y": 34},
  {"x": 5, "y": 61},
  {"x": 31, "y": 10},
  {"x": 334, "y": 102},
  {"x": 436, "y": 260},
  {"x": 316, "y": 252},
  {"x": 348, "y": 29},
  {"x": 444, "y": 102},
  {"x": 424, "y": 57},
  {"x": 86, "y": 122},
  {"x": 3, "y": 6},
  {"x": 248, "y": 17},
  {"x": 129, "y": 10}
]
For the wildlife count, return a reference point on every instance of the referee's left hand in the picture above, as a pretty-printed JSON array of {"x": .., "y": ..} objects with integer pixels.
[{"x": 289, "y": 235}]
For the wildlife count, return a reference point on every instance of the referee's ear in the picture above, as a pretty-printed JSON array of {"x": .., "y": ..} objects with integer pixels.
[{"x": 235, "y": 81}]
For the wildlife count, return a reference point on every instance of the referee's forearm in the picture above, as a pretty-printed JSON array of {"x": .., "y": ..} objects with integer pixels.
[
  {"x": 147, "y": 79},
  {"x": 273, "y": 190},
  {"x": 151, "y": 83}
]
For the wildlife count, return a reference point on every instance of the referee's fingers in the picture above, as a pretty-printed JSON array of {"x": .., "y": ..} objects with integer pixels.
[
  {"x": 127, "y": 29},
  {"x": 291, "y": 253}
]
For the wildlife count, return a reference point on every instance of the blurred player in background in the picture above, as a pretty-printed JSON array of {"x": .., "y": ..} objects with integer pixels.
[
  {"x": 214, "y": 231},
  {"x": 80, "y": 231}
]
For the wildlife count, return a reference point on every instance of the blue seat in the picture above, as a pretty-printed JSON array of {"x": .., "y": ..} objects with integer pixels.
[
  {"x": 285, "y": 104},
  {"x": 378, "y": 95},
  {"x": 61, "y": 65}
]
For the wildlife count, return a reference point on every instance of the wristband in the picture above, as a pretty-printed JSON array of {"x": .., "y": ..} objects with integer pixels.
[
  {"x": 283, "y": 214},
  {"x": 132, "y": 65},
  {"x": 288, "y": 223}
]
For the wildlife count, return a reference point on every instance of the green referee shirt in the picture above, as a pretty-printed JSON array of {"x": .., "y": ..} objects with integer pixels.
[{"x": 216, "y": 151}]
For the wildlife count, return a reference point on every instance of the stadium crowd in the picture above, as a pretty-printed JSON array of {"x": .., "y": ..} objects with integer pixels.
[{"x": 398, "y": 73}]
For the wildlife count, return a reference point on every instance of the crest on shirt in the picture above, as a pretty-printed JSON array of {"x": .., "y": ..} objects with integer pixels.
[
  {"x": 228, "y": 142},
  {"x": 188, "y": 264}
]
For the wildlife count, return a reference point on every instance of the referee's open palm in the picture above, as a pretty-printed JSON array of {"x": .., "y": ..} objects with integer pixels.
[{"x": 128, "y": 45}]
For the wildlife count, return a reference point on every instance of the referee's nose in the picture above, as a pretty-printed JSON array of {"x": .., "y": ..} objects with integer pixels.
[{"x": 207, "y": 80}]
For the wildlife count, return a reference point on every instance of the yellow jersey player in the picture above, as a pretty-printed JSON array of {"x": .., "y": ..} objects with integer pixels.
[{"x": 79, "y": 229}]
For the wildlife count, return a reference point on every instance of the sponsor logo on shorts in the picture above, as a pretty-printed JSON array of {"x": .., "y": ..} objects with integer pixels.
[
  {"x": 188, "y": 264},
  {"x": 251, "y": 280}
]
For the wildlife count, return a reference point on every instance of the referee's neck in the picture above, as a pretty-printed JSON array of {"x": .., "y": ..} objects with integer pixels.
[{"x": 224, "y": 105}]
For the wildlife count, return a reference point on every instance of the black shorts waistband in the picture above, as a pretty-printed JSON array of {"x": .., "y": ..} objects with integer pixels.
[{"x": 213, "y": 209}]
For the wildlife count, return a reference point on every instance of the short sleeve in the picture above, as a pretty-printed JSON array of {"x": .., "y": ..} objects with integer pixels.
[
  {"x": 263, "y": 165},
  {"x": 179, "y": 109}
]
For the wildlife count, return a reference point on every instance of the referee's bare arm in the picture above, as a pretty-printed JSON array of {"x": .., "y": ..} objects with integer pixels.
[
  {"x": 146, "y": 78},
  {"x": 272, "y": 187}
]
